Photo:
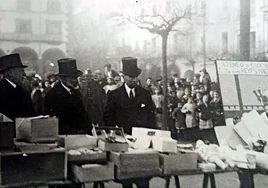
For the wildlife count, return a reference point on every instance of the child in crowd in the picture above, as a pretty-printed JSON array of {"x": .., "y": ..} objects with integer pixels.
[
  {"x": 179, "y": 117},
  {"x": 190, "y": 120},
  {"x": 158, "y": 99},
  {"x": 205, "y": 121},
  {"x": 110, "y": 86}
]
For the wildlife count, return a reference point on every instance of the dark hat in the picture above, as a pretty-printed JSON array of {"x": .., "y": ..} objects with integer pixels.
[
  {"x": 67, "y": 67},
  {"x": 203, "y": 70},
  {"x": 10, "y": 61},
  {"x": 130, "y": 67}
]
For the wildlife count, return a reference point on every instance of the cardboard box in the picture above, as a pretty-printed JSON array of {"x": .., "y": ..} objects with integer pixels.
[
  {"x": 121, "y": 175},
  {"x": 7, "y": 130},
  {"x": 77, "y": 141},
  {"x": 88, "y": 158},
  {"x": 164, "y": 144},
  {"x": 135, "y": 161},
  {"x": 138, "y": 131},
  {"x": 112, "y": 146},
  {"x": 173, "y": 163},
  {"x": 25, "y": 146},
  {"x": 94, "y": 172},
  {"x": 21, "y": 167},
  {"x": 37, "y": 129}
]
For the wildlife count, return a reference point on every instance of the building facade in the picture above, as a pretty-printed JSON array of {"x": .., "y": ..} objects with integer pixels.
[{"x": 37, "y": 30}]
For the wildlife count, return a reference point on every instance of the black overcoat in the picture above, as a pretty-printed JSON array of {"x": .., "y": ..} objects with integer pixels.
[
  {"x": 69, "y": 109},
  {"x": 15, "y": 102},
  {"x": 123, "y": 112}
]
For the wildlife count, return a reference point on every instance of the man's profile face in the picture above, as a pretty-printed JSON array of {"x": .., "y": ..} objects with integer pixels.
[
  {"x": 131, "y": 81},
  {"x": 70, "y": 81},
  {"x": 17, "y": 75}
]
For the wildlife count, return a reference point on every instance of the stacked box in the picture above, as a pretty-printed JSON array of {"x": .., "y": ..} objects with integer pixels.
[
  {"x": 93, "y": 172},
  {"x": 7, "y": 130},
  {"x": 112, "y": 146},
  {"x": 176, "y": 162},
  {"x": 74, "y": 142},
  {"x": 37, "y": 129},
  {"x": 31, "y": 167},
  {"x": 135, "y": 164},
  {"x": 26, "y": 146}
]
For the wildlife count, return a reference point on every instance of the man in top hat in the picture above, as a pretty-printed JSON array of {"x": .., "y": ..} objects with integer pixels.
[
  {"x": 64, "y": 100},
  {"x": 130, "y": 106},
  {"x": 15, "y": 101}
]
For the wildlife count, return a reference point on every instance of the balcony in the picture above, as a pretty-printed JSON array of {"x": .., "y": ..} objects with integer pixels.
[{"x": 28, "y": 37}]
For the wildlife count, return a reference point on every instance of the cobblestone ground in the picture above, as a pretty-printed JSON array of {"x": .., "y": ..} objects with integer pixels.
[{"x": 227, "y": 180}]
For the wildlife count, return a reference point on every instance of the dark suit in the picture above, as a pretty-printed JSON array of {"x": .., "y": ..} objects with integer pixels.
[
  {"x": 37, "y": 99},
  {"x": 15, "y": 102},
  {"x": 68, "y": 108},
  {"x": 123, "y": 112}
]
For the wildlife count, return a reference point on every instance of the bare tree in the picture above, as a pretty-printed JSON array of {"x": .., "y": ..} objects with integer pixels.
[{"x": 161, "y": 23}]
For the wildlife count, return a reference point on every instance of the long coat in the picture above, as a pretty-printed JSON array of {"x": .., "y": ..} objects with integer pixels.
[
  {"x": 123, "y": 112},
  {"x": 69, "y": 109},
  {"x": 15, "y": 102}
]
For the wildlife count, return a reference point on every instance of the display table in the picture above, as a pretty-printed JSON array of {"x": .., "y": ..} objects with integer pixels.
[{"x": 207, "y": 176}]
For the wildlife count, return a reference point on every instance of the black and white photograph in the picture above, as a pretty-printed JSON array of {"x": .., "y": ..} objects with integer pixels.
[{"x": 133, "y": 93}]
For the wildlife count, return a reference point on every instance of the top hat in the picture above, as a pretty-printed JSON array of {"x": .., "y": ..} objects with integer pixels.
[
  {"x": 10, "y": 61},
  {"x": 130, "y": 67},
  {"x": 67, "y": 67}
]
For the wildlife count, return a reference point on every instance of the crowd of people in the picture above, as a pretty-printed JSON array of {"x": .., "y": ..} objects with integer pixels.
[{"x": 194, "y": 105}]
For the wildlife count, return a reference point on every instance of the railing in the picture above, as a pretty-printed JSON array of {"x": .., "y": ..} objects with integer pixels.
[{"x": 29, "y": 37}]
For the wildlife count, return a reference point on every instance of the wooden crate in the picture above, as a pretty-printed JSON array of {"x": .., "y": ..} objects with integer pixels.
[
  {"x": 77, "y": 141},
  {"x": 23, "y": 167},
  {"x": 109, "y": 146},
  {"x": 7, "y": 132},
  {"x": 88, "y": 158},
  {"x": 135, "y": 161},
  {"x": 96, "y": 172},
  {"x": 173, "y": 163},
  {"x": 121, "y": 175},
  {"x": 26, "y": 146},
  {"x": 37, "y": 130}
]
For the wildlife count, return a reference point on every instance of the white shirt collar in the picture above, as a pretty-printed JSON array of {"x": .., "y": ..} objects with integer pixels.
[
  {"x": 13, "y": 85},
  {"x": 128, "y": 90},
  {"x": 65, "y": 87}
]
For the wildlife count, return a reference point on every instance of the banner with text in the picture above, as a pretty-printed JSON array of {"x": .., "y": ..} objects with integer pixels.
[{"x": 242, "y": 67}]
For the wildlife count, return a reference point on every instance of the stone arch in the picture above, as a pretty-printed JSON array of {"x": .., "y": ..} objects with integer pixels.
[
  {"x": 28, "y": 56},
  {"x": 2, "y": 53},
  {"x": 50, "y": 58}
]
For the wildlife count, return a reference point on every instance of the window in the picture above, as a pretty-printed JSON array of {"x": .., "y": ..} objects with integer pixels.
[
  {"x": 123, "y": 42},
  {"x": 225, "y": 42},
  {"x": 53, "y": 6},
  {"x": 252, "y": 44},
  {"x": 24, "y": 26},
  {"x": 175, "y": 43},
  {"x": 168, "y": 6},
  {"x": 145, "y": 46},
  {"x": 137, "y": 46},
  {"x": 225, "y": 5},
  {"x": 53, "y": 27},
  {"x": 252, "y": 8},
  {"x": 154, "y": 45},
  {"x": 23, "y": 5},
  {"x": 154, "y": 10}
]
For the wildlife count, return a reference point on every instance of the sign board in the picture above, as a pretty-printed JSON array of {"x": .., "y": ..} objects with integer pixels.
[{"x": 243, "y": 85}]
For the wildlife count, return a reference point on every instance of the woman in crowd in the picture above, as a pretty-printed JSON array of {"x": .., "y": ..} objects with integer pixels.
[{"x": 205, "y": 121}]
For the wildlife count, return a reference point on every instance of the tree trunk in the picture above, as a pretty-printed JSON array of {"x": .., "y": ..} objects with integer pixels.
[{"x": 165, "y": 79}]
